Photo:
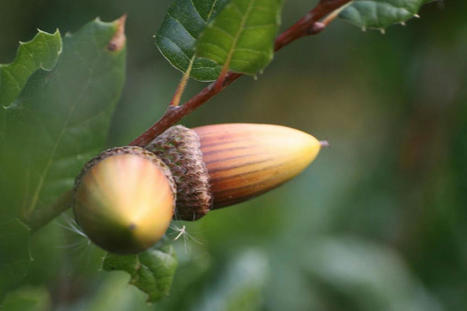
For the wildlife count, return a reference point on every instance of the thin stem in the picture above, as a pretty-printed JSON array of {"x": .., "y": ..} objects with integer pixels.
[
  {"x": 219, "y": 83},
  {"x": 182, "y": 85},
  {"x": 334, "y": 14},
  {"x": 308, "y": 25}
]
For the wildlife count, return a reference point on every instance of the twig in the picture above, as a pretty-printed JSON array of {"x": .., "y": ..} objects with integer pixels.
[
  {"x": 310, "y": 24},
  {"x": 334, "y": 14}
]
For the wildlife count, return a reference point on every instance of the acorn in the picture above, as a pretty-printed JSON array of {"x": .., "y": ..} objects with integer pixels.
[
  {"x": 219, "y": 165},
  {"x": 124, "y": 199}
]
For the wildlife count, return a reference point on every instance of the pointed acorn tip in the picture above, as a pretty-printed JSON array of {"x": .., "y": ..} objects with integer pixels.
[{"x": 124, "y": 200}]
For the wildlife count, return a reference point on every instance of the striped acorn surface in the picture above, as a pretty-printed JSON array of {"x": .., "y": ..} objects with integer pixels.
[{"x": 246, "y": 160}]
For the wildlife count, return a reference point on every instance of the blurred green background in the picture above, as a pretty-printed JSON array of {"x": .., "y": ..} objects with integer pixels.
[{"x": 379, "y": 220}]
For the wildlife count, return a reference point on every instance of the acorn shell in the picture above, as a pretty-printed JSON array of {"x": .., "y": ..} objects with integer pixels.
[
  {"x": 124, "y": 199},
  {"x": 246, "y": 160}
]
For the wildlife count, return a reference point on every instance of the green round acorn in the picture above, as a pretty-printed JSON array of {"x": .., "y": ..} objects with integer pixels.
[{"x": 124, "y": 199}]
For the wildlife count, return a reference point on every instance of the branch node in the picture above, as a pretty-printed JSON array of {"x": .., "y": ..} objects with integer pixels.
[{"x": 316, "y": 28}]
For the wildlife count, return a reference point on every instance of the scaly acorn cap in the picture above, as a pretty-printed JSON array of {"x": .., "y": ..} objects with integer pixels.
[
  {"x": 124, "y": 199},
  {"x": 179, "y": 147},
  {"x": 219, "y": 165}
]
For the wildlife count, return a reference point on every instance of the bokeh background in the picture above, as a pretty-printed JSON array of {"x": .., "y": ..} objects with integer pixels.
[{"x": 379, "y": 220}]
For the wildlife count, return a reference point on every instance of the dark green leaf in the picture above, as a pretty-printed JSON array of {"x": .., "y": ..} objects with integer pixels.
[
  {"x": 59, "y": 121},
  {"x": 380, "y": 13},
  {"x": 241, "y": 37},
  {"x": 182, "y": 26},
  {"x": 151, "y": 271},
  {"x": 61, "y": 118},
  {"x": 41, "y": 52}
]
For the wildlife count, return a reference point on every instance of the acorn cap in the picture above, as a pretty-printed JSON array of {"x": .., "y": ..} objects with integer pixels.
[
  {"x": 179, "y": 147},
  {"x": 124, "y": 199},
  {"x": 224, "y": 164}
]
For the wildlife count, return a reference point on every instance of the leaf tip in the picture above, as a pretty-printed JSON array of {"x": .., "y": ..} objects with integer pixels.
[{"x": 119, "y": 39}]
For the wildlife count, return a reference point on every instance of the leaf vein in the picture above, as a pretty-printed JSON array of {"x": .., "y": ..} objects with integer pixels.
[{"x": 181, "y": 24}]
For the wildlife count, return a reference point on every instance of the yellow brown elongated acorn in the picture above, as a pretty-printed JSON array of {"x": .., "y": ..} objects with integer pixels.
[
  {"x": 125, "y": 198},
  {"x": 219, "y": 165}
]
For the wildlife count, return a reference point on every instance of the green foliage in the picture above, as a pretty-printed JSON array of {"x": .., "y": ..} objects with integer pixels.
[
  {"x": 380, "y": 13},
  {"x": 27, "y": 299},
  {"x": 240, "y": 287},
  {"x": 14, "y": 257},
  {"x": 352, "y": 267},
  {"x": 177, "y": 36},
  {"x": 41, "y": 52},
  {"x": 57, "y": 123},
  {"x": 241, "y": 37},
  {"x": 115, "y": 294},
  {"x": 378, "y": 223},
  {"x": 151, "y": 271}
]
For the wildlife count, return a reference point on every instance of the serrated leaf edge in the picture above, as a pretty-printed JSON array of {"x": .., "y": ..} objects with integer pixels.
[{"x": 383, "y": 29}]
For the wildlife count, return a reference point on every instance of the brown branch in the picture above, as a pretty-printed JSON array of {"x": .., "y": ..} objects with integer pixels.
[{"x": 310, "y": 24}]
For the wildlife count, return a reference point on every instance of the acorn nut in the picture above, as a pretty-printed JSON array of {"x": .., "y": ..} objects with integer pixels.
[
  {"x": 219, "y": 165},
  {"x": 124, "y": 199}
]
